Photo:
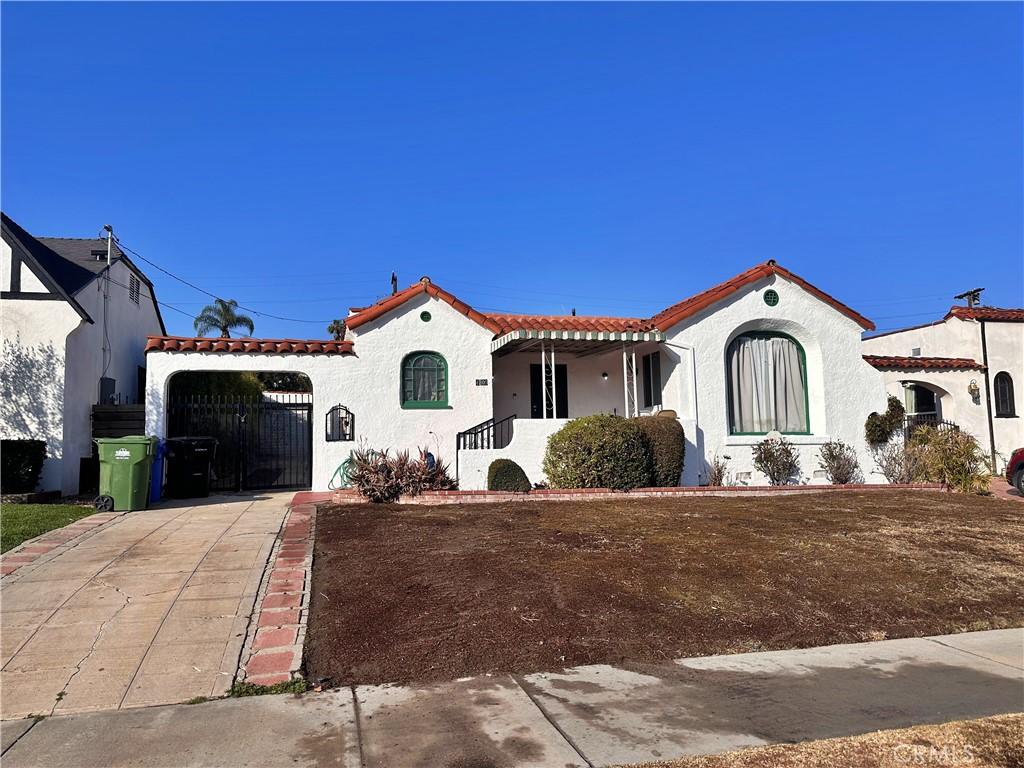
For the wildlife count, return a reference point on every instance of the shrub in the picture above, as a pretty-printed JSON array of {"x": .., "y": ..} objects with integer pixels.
[
  {"x": 506, "y": 475},
  {"x": 384, "y": 479},
  {"x": 718, "y": 471},
  {"x": 952, "y": 457},
  {"x": 879, "y": 428},
  {"x": 900, "y": 463},
  {"x": 664, "y": 439},
  {"x": 599, "y": 451},
  {"x": 776, "y": 458},
  {"x": 21, "y": 461},
  {"x": 839, "y": 461}
]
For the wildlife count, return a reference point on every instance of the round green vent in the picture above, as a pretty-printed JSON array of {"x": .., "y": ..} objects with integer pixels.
[
  {"x": 425, "y": 316},
  {"x": 771, "y": 298}
]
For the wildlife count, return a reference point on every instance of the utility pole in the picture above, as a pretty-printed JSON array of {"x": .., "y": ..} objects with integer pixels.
[
  {"x": 107, "y": 353},
  {"x": 972, "y": 296}
]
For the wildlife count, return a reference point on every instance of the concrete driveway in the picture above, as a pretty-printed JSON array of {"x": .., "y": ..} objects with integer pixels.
[{"x": 150, "y": 608}]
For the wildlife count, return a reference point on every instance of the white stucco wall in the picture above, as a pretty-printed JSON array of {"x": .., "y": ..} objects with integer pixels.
[
  {"x": 962, "y": 338},
  {"x": 33, "y": 336},
  {"x": 368, "y": 383},
  {"x": 842, "y": 388}
]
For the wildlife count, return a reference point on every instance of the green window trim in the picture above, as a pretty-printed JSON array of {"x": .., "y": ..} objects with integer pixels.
[
  {"x": 807, "y": 383},
  {"x": 430, "y": 364}
]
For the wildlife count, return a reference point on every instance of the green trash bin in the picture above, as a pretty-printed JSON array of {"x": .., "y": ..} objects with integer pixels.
[{"x": 125, "y": 464}]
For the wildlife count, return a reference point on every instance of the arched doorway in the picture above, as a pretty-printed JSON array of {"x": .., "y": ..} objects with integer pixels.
[{"x": 262, "y": 422}]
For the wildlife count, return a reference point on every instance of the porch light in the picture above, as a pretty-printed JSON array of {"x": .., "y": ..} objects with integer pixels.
[
  {"x": 604, "y": 375},
  {"x": 972, "y": 388}
]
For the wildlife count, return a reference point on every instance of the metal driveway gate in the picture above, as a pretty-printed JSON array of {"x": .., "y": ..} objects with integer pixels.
[{"x": 262, "y": 442}]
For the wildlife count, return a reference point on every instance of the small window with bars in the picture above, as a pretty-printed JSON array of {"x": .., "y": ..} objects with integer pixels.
[
  {"x": 134, "y": 287},
  {"x": 341, "y": 424}
]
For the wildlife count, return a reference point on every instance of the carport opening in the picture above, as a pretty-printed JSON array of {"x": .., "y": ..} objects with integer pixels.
[{"x": 262, "y": 422}]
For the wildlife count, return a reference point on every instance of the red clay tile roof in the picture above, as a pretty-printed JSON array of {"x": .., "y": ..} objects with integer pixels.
[
  {"x": 504, "y": 323},
  {"x": 691, "y": 306},
  {"x": 247, "y": 346},
  {"x": 923, "y": 363},
  {"x": 987, "y": 313},
  {"x": 396, "y": 300},
  {"x": 509, "y": 323}
]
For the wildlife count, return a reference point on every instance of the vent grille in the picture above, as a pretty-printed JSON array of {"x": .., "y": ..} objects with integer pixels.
[{"x": 133, "y": 289}]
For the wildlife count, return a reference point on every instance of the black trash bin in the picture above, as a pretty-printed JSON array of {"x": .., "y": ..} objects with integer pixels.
[{"x": 188, "y": 466}]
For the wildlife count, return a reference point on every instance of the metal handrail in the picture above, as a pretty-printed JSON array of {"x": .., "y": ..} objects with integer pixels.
[{"x": 486, "y": 435}]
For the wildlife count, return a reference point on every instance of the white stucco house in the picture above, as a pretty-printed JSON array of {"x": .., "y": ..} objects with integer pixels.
[
  {"x": 74, "y": 329},
  {"x": 760, "y": 352},
  {"x": 967, "y": 368}
]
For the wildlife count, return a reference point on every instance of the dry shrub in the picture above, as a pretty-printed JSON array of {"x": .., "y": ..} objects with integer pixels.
[
  {"x": 384, "y": 479},
  {"x": 778, "y": 459},
  {"x": 839, "y": 461},
  {"x": 952, "y": 457},
  {"x": 900, "y": 463},
  {"x": 718, "y": 471}
]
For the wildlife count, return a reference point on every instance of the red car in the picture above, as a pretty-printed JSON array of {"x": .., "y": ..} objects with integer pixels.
[{"x": 1015, "y": 470}]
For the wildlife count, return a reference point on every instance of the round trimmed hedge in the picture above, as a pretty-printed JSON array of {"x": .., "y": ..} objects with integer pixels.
[
  {"x": 598, "y": 451},
  {"x": 506, "y": 475},
  {"x": 665, "y": 442}
]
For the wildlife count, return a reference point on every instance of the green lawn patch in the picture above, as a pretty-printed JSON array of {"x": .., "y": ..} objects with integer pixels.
[{"x": 21, "y": 522}]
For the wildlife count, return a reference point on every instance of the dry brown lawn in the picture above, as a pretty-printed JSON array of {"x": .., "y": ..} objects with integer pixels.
[
  {"x": 991, "y": 742},
  {"x": 430, "y": 593}
]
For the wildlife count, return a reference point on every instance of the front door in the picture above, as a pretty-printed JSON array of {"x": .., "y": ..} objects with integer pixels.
[{"x": 561, "y": 392}]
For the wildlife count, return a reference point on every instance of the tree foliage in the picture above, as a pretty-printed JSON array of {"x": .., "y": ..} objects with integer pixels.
[{"x": 222, "y": 316}]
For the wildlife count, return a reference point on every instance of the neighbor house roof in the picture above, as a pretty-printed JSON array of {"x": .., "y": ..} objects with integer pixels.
[
  {"x": 691, "y": 306},
  {"x": 896, "y": 363},
  {"x": 996, "y": 314},
  {"x": 247, "y": 346},
  {"x": 424, "y": 286},
  {"x": 74, "y": 262}
]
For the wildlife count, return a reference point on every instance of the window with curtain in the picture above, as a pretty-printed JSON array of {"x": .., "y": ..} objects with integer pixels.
[
  {"x": 1004, "y": 395},
  {"x": 424, "y": 381},
  {"x": 767, "y": 379}
]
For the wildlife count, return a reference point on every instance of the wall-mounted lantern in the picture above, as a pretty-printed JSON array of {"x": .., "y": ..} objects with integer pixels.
[
  {"x": 973, "y": 390},
  {"x": 340, "y": 424}
]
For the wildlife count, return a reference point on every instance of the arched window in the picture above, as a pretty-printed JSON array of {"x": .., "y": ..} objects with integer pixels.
[
  {"x": 424, "y": 381},
  {"x": 1004, "y": 395},
  {"x": 767, "y": 380}
]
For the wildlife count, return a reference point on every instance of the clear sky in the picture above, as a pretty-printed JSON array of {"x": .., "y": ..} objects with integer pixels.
[{"x": 528, "y": 157}]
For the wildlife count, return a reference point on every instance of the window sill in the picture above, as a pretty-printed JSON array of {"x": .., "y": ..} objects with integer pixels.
[
  {"x": 1006, "y": 416},
  {"x": 426, "y": 407},
  {"x": 794, "y": 439}
]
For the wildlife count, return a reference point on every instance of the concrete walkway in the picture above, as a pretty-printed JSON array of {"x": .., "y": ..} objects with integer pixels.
[
  {"x": 149, "y": 608},
  {"x": 587, "y": 716}
]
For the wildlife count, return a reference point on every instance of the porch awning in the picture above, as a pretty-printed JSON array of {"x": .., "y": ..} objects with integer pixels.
[{"x": 571, "y": 342}]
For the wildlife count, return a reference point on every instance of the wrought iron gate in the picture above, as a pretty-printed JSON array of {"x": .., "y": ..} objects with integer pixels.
[{"x": 262, "y": 442}]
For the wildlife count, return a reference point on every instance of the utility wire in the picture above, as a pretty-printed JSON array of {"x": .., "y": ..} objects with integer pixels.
[{"x": 213, "y": 295}]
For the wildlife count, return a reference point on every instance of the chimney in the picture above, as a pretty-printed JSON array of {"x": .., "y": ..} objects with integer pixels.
[{"x": 394, "y": 283}]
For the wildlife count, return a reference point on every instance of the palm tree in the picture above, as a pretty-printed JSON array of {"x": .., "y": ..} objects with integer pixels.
[
  {"x": 221, "y": 316},
  {"x": 337, "y": 329}
]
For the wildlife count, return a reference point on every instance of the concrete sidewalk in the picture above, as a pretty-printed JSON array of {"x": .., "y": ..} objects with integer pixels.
[
  {"x": 151, "y": 607},
  {"x": 586, "y": 716}
]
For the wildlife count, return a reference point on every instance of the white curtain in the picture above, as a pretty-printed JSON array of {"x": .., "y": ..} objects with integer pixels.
[{"x": 767, "y": 385}]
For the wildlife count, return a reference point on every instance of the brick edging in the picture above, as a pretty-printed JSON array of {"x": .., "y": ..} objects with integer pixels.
[
  {"x": 574, "y": 494},
  {"x": 273, "y": 649},
  {"x": 29, "y": 551}
]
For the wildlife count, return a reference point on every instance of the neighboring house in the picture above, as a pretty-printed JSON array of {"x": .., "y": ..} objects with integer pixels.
[
  {"x": 74, "y": 331},
  {"x": 967, "y": 368},
  {"x": 763, "y": 351}
]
